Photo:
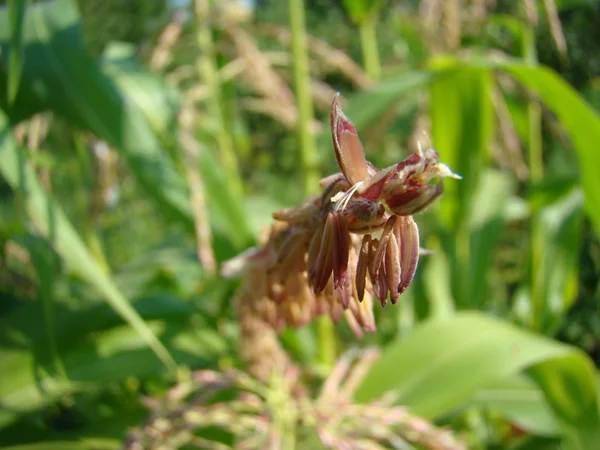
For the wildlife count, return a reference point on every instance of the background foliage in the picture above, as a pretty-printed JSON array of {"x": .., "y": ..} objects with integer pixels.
[{"x": 143, "y": 143}]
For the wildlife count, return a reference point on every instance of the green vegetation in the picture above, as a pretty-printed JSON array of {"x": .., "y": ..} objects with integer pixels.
[{"x": 141, "y": 146}]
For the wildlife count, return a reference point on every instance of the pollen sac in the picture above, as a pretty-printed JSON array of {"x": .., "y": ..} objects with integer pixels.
[
  {"x": 409, "y": 200},
  {"x": 348, "y": 149},
  {"x": 416, "y": 183},
  {"x": 363, "y": 215}
]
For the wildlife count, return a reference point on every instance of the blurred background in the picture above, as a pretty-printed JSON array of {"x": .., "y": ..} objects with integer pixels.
[{"x": 145, "y": 142}]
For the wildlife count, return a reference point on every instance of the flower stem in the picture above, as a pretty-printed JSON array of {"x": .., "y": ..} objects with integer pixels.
[
  {"x": 308, "y": 155},
  {"x": 370, "y": 51}
]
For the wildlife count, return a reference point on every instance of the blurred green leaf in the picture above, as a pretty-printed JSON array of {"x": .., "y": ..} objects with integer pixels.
[
  {"x": 518, "y": 399},
  {"x": 229, "y": 210},
  {"x": 444, "y": 362},
  {"x": 490, "y": 202},
  {"x": 59, "y": 75},
  {"x": 560, "y": 228},
  {"x": 158, "y": 102},
  {"x": 94, "y": 361},
  {"x": 50, "y": 220},
  {"x": 580, "y": 120},
  {"x": 22, "y": 328},
  {"x": 16, "y": 13},
  {"x": 462, "y": 119},
  {"x": 85, "y": 444}
]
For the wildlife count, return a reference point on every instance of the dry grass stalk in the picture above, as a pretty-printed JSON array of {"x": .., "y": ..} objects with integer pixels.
[
  {"x": 430, "y": 14},
  {"x": 331, "y": 57},
  {"x": 161, "y": 56},
  {"x": 513, "y": 152},
  {"x": 259, "y": 73},
  {"x": 556, "y": 28},
  {"x": 191, "y": 149},
  {"x": 452, "y": 24},
  {"x": 531, "y": 12}
]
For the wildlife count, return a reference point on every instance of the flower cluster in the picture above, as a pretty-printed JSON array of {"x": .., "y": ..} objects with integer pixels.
[
  {"x": 357, "y": 239},
  {"x": 248, "y": 414}
]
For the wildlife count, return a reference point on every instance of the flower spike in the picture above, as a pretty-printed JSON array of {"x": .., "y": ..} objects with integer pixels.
[{"x": 356, "y": 240}]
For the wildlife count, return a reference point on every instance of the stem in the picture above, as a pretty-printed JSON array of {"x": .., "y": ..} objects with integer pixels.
[
  {"x": 308, "y": 155},
  {"x": 207, "y": 67},
  {"x": 370, "y": 51},
  {"x": 536, "y": 174}
]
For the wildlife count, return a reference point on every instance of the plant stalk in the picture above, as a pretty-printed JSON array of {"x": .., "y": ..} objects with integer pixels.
[
  {"x": 308, "y": 155},
  {"x": 370, "y": 50}
]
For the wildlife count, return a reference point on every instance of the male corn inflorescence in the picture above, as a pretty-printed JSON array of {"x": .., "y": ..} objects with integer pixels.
[{"x": 356, "y": 240}]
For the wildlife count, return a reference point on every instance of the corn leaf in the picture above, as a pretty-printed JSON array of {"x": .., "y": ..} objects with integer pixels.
[
  {"x": 444, "y": 362},
  {"x": 16, "y": 13},
  {"x": 51, "y": 222}
]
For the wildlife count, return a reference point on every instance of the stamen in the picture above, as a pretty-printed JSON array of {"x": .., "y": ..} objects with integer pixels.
[
  {"x": 343, "y": 201},
  {"x": 444, "y": 171},
  {"x": 421, "y": 153}
]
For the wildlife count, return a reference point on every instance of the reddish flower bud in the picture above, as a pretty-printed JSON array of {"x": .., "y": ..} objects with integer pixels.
[{"x": 416, "y": 183}]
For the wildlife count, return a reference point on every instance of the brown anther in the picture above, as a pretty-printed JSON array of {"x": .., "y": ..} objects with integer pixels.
[
  {"x": 341, "y": 249},
  {"x": 407, "y": 230},
  {"x": 361, "y": 267},
  {"x": 348, "y": 149},
  {"x": 364, "y": 215},
  {"x": 392, "y": 267},
  {"x": 324, "y": 263},
  {"x": 377, "y": 259}
]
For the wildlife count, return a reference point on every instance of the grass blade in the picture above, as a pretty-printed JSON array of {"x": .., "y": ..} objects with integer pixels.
[
  {"x": 444, "y": 362},
  {"x": 16, "y": 13},
  {"x": 52, "y": 223}
]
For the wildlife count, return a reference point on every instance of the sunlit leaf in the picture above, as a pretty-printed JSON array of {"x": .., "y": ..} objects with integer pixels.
[
  {"x": 524, "y": 404},
  {"x": 444, "y": 362},
  {"x": 59, "y": 75},
  {"x": 16, "y": 13}
]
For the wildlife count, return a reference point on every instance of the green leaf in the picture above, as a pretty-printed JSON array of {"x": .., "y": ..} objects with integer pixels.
[
  {"x": 462, "y": 119},
  {"x": 518, "y": 399},
  {"x": 462, "y": 130},
  {"x": 444, "y": 362},
  {"x": 94, "y": 361},
  {"x": 16, "y": 13},
  {"x": 229, "y": 213},
  {"x": 580, "y": 120},
  {"x": 559, "y": 227},
  {"x": 158, "y": 102},
  {"x": 50, "y": 220},
  {"x": 60, "y": 75},
  {"x": 85, "y": 444},
  {"x": 490, "y": 202}
]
